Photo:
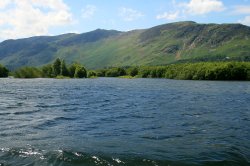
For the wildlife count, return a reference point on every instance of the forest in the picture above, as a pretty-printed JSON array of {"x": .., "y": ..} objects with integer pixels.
[
  {"x": 4, "y": 72},
  {"x": 185, "y": 71},
  {"x": 58, "y": 69},
  {"x": 182, "y": 71}
]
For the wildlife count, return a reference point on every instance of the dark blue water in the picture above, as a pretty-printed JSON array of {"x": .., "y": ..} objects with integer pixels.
[{"x": 110, "y": 121}]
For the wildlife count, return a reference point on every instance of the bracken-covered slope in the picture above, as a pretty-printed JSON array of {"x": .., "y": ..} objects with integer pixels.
[{"x": 160, "y": 45}]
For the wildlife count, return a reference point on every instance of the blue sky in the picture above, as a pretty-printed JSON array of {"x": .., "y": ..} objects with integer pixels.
[{"x": 25, "y": 18}]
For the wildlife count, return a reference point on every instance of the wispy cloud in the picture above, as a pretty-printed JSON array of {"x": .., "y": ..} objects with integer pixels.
[
  {"x": 88, "y": 11},
  {"x": 241, "y": 10},
  {"x": 32, "y": 17},
  {"x": 193, "y": 7},
  {"x": 4, "y": 3},
  {"x": 245, "y": 21},
  {"x": 169, "y": 15},
  {"x": 129, "y": 14},
  {"x": 200, "y": 7}
]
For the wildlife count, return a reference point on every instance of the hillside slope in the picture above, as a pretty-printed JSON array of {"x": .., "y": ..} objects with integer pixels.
[{"x": 164, "y": 44}]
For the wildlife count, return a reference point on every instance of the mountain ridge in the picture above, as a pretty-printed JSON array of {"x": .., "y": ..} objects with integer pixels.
[{"x": 176, "y": 42}]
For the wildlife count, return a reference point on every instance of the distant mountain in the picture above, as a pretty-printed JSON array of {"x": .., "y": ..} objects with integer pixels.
[{"x": 160, "y": 45}]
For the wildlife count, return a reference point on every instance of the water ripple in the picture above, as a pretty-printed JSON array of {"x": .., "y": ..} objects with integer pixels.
[{"x": 110, "y": 121}]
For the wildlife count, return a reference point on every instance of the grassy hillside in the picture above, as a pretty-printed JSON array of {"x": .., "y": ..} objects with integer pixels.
[{"x": 160, "y": 45}]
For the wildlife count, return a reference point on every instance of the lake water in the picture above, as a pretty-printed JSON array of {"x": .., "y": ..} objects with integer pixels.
[{"x": 111, "y": 121}]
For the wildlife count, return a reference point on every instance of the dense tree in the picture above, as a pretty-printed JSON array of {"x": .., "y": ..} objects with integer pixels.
[
  {"x": 187, "y": 71},
  {"x": 80, "y": 72},
  {"x": 3, "y": 71},
  {"x": 77, "y": 71},
  {"x": 115, "y": 72},
  {"x": 209, "y": 71},
  {"x": 133, "y": 71},
  {"x": 48, "y": 71},
  {"x": 57, "y": 67},
  {"x": 121, "y": 71},
  {"x": 144, "y": 72},
  {"x": 64, "y": 71},
  {"x": 101, "y": 73},
  {"x": 92, "y": 74},
  {"x": 72, "y": 70},
  {"x": 28, "y": 72}
]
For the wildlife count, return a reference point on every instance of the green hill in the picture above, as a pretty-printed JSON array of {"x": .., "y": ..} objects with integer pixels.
[{"x": 160, "y": 45}]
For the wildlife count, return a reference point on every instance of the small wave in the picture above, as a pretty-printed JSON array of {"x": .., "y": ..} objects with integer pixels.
[
  {"x": 5, "y": 113},
  {"x": 47, "y": 123},
  {"x": 32, "y": 156},
  {"x": 161, "y": 137},
  {"x": 108, "y": 120},
  {"x": 25, "y": 112},
  {"x": 53, "y": 122},
  {"x": 43, "y": 105},
  {"x": 11, "y": 134},
  {"x": 14, "y": 106},
  {"x": 65, "y": 118},
  {"x": 142, "y": 117},
  {"x": 61, "y": 157}
]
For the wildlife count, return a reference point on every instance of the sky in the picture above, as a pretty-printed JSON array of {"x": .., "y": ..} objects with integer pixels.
[{"x": 26, "y": 18}]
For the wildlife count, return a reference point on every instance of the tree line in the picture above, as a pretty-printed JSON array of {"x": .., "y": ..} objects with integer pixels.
[
  {"x": 185, "y": 71},
  {"x": 58, "y": 69},
  {"x": 4, "y": 72}
]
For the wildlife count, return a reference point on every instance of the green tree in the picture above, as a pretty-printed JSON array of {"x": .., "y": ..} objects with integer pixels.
[
  {"x": 48, "y": 71},
  {"x": 64, "y": 71},
  {"x": 72, "y": 70},
  {"x": 115, "y": 72},
  {"x": 28, "y": 72},
  {"x": 4, "y": 72},
  {"x": 57, "y": 67},
  {"x": 144, "y": 72},
  {"x": 133, "y": 71},
  {"x": 92, "y": 74},
  {"x": 121, "y": 71},
  {"x": 101, "y": 73},
  {"x": 80, "y": 72},
  {"x": 77, "y": 71}
]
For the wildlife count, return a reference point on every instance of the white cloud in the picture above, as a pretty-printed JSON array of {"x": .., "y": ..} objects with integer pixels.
[
  {"x": 168, "y": 16},
  {"x": 245, "y": 21},
  {"x": 32, "y": 17},
  {"x": 88, "y": 11},
  {"x": 193, "y": 7},
  {"x": 200, "y": 7},
  {"x": 129, "y": 14},
  {"x": 4, "y": 3},
  {"x": 242, "y": 10}
]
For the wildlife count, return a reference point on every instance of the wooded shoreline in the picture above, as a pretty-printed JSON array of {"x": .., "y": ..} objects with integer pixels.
[{"x": 183, "y": 71}]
